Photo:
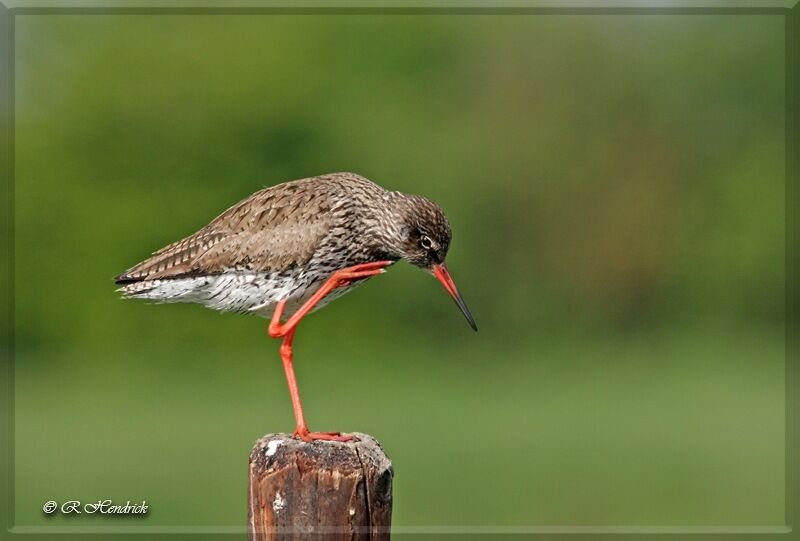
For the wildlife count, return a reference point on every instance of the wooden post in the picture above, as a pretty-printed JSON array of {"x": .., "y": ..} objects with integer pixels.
[{"x": 300, "y": 490}]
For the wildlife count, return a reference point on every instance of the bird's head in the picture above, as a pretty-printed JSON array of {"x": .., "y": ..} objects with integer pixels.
[{"x": 421, "y": 235}]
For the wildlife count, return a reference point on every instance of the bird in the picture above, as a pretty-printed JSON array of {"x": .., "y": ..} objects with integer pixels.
[{"x": 289, "y": 249}]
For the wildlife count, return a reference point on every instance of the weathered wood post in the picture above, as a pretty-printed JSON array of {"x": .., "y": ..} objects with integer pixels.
[{"x": 300, "y": 490}]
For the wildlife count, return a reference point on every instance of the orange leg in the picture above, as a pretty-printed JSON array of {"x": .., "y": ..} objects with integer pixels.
[{"x": 340, "y": 278}]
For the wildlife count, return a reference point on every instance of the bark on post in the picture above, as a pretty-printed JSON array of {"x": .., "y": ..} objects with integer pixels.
[{"x": 300, "y": 490}]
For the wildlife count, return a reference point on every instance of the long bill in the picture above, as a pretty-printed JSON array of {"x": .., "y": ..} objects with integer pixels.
[{"x": 443, "y": 275}]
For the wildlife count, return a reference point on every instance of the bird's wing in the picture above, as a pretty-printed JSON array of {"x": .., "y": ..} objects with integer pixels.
[{"x": 274, "y": 229}]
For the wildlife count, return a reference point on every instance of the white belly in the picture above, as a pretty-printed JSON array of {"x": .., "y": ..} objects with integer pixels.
[{"x": 244, "y": 292}]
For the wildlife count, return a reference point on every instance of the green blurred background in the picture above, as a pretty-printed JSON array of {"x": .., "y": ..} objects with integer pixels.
[{"x": 615, "y": 186}]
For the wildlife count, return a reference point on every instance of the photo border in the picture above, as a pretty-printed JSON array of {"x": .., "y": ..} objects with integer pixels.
[{"x": 789, "y": 9}]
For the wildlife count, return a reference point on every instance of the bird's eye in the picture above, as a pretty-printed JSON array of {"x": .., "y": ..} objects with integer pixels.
[{"x": 425, "y": 242}]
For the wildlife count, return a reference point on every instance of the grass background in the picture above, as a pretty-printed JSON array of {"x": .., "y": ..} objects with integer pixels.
[{"x": 615, "y": 186}]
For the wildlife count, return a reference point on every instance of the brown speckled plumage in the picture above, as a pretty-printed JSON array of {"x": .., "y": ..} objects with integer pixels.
[{"x": 282, "y": 242}]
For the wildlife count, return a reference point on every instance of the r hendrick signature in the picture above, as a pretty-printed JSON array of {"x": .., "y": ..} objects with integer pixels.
[{"x": 100, "y": 507}]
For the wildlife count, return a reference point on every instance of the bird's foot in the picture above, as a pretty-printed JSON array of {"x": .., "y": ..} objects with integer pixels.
[
  {"x": 308, "y": 436},
  {"x": 340, "y": 278},
  {"x": 345, "y": 277}
]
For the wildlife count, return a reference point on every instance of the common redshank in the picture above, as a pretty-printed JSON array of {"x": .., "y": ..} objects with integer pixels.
[{"x": 291, "y": 249}]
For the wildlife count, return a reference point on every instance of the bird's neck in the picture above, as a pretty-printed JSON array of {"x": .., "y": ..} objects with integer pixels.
[{"x": 385, "y": 228}]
